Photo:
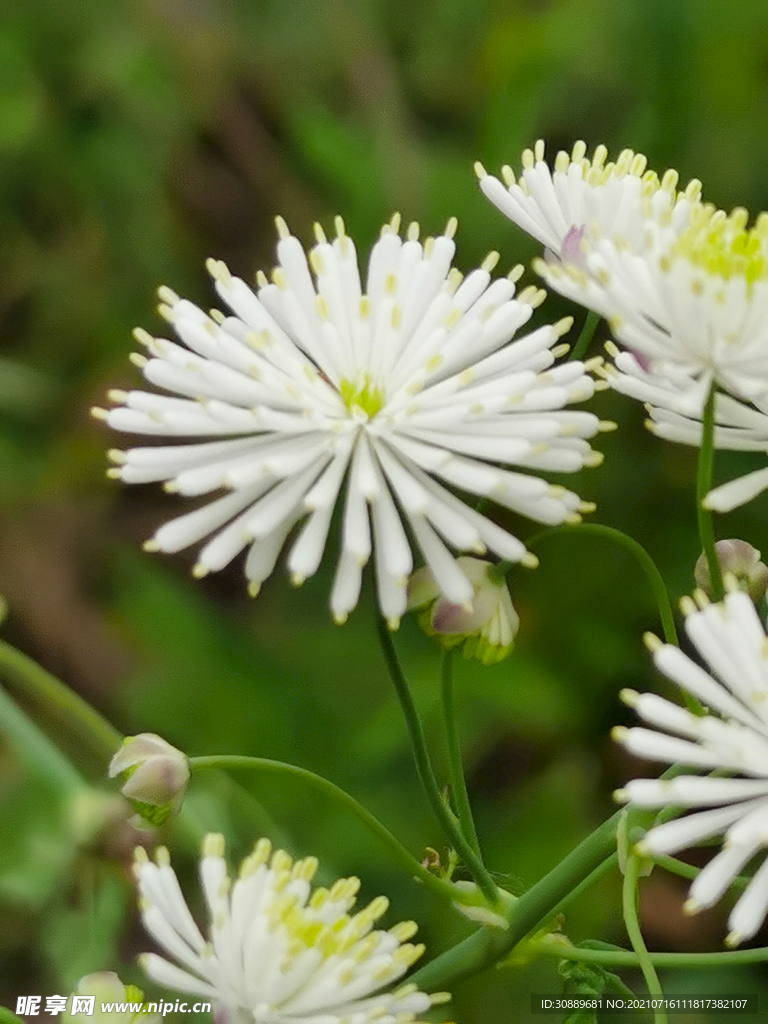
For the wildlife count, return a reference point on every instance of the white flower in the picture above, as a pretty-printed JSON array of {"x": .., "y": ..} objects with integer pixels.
[
  {"x": 674, "y": 406},
  {"x": 485, "y": 630},
  {"x": 276, "y": 951},
  {"x": 693, "y": 306},
  {"x": 561, "y": 208},
  {"x": 731, "y": 737},
  {"x": 400, "y": 386}
]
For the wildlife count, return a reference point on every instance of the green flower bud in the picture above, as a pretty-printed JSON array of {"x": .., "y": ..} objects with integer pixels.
[
  {"x": 485, "y": 629},
  {"x": 154, "y": 776},
  {"x": 741, "y": 560}
]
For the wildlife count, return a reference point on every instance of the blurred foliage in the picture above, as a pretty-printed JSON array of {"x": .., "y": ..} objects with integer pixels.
[{"x": 138, "y": 137}]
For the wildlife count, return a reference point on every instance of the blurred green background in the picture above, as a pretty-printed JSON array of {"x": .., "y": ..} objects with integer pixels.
[{"x": 138, "y": 138}]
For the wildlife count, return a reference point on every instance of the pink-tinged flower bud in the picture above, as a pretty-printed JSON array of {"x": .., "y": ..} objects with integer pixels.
[
  {"x": 740, "y": 559},
  {"x": 484, "y": 628},
  {"x": 154, "y": 776}
]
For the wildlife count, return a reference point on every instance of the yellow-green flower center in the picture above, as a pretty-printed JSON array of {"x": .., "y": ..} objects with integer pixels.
[
  {"x": 722, "y": 246},
  {"x": 363, "y": 394}
]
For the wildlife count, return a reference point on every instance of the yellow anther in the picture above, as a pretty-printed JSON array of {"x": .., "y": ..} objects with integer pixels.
[
  {"x": 490, "y": 261},
  {"x": 562, "y": 162},
  {"x": 282, "y": 227},
  {"x": 516, "y": 273},
  {"x": 168, "y": 295}
]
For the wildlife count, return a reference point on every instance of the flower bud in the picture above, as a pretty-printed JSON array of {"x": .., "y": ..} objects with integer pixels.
[
  {"x": 106, "y": 987},
  {"x": 475, "y": 906},
  {"x": 154, "y": 776},
  {"x": 741, "y": 560},
  {"x": 485, "y": 629}
]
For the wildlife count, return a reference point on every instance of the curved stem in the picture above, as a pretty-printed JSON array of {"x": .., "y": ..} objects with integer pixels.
[
  {"x": 444, "y": 815},
  {"x": 703, "y": 487},
  {"x": 640, "y": 555},
  {"x": 625, "y": 958},
  {"x": 585, "y": 337},
  {"x": 40, "y": 756},
  {"x": 68, "y": 708},
  {"x": 455, "y": 766},
  {"x": 488, "y": 945},
  {"x": 629, "y": 906},
  {"x": 241, "y": 762}
]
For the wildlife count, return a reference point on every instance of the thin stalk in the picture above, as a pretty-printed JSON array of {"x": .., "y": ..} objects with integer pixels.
[
  {"x": 703, "y": 487},
  {"x": 679, "y": 867},
  {"x": 71, "y": 712},
  {"x": 562, "y": 950},
  {"x": 641, "y": 556},
  {"x": 455, "y": 766},
  {"x": 585, "y": 337},
  {"x": 444, "y": 815},
  {"x": 442, "y": 812},
  {"x": 243, "y": 763},
  {"x": 629, "y": 906},
  {"x": 487, "y": 946}
]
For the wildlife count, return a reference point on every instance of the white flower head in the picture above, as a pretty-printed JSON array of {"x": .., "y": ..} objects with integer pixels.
[
  {"x": 674, "y": 403},
  {"x": 278, "y": 952},
  {"x": 692, "y": 306},
  {"x": 730, "y": 737},
  {"x": 404, "y": 386},
  {"x": 561, "y": 208},
  {"x": 485, "y": 629}
]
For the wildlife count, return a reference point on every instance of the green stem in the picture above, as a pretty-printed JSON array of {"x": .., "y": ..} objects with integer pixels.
[
  {"x": 444, "y": 815},
  {"x": 629, "y": 906},
  {"x": 68, "y": 709},
  {"x": 241, "y": 762},
  {"x": 587, "y": 883},
  {"x": 638, "y": 552},
  {"x": 35, "y": 750},
  {"x": 703, "y": 487},
  {"x": 679, "y": 867},
  {"x": 586, "y": 335},
  {"x": 562, "y": 950},
  {"x": 488, "y": 945},
  {"x": 455, "y": 766}
]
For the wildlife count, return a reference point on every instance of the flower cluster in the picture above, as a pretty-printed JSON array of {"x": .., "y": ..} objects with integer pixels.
[
  {"x": 683, "y": 286},
  {"x": 405, "y": 386},
  {"x": 731, "y": 737},
  {"x": 277, "y": 950}
]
